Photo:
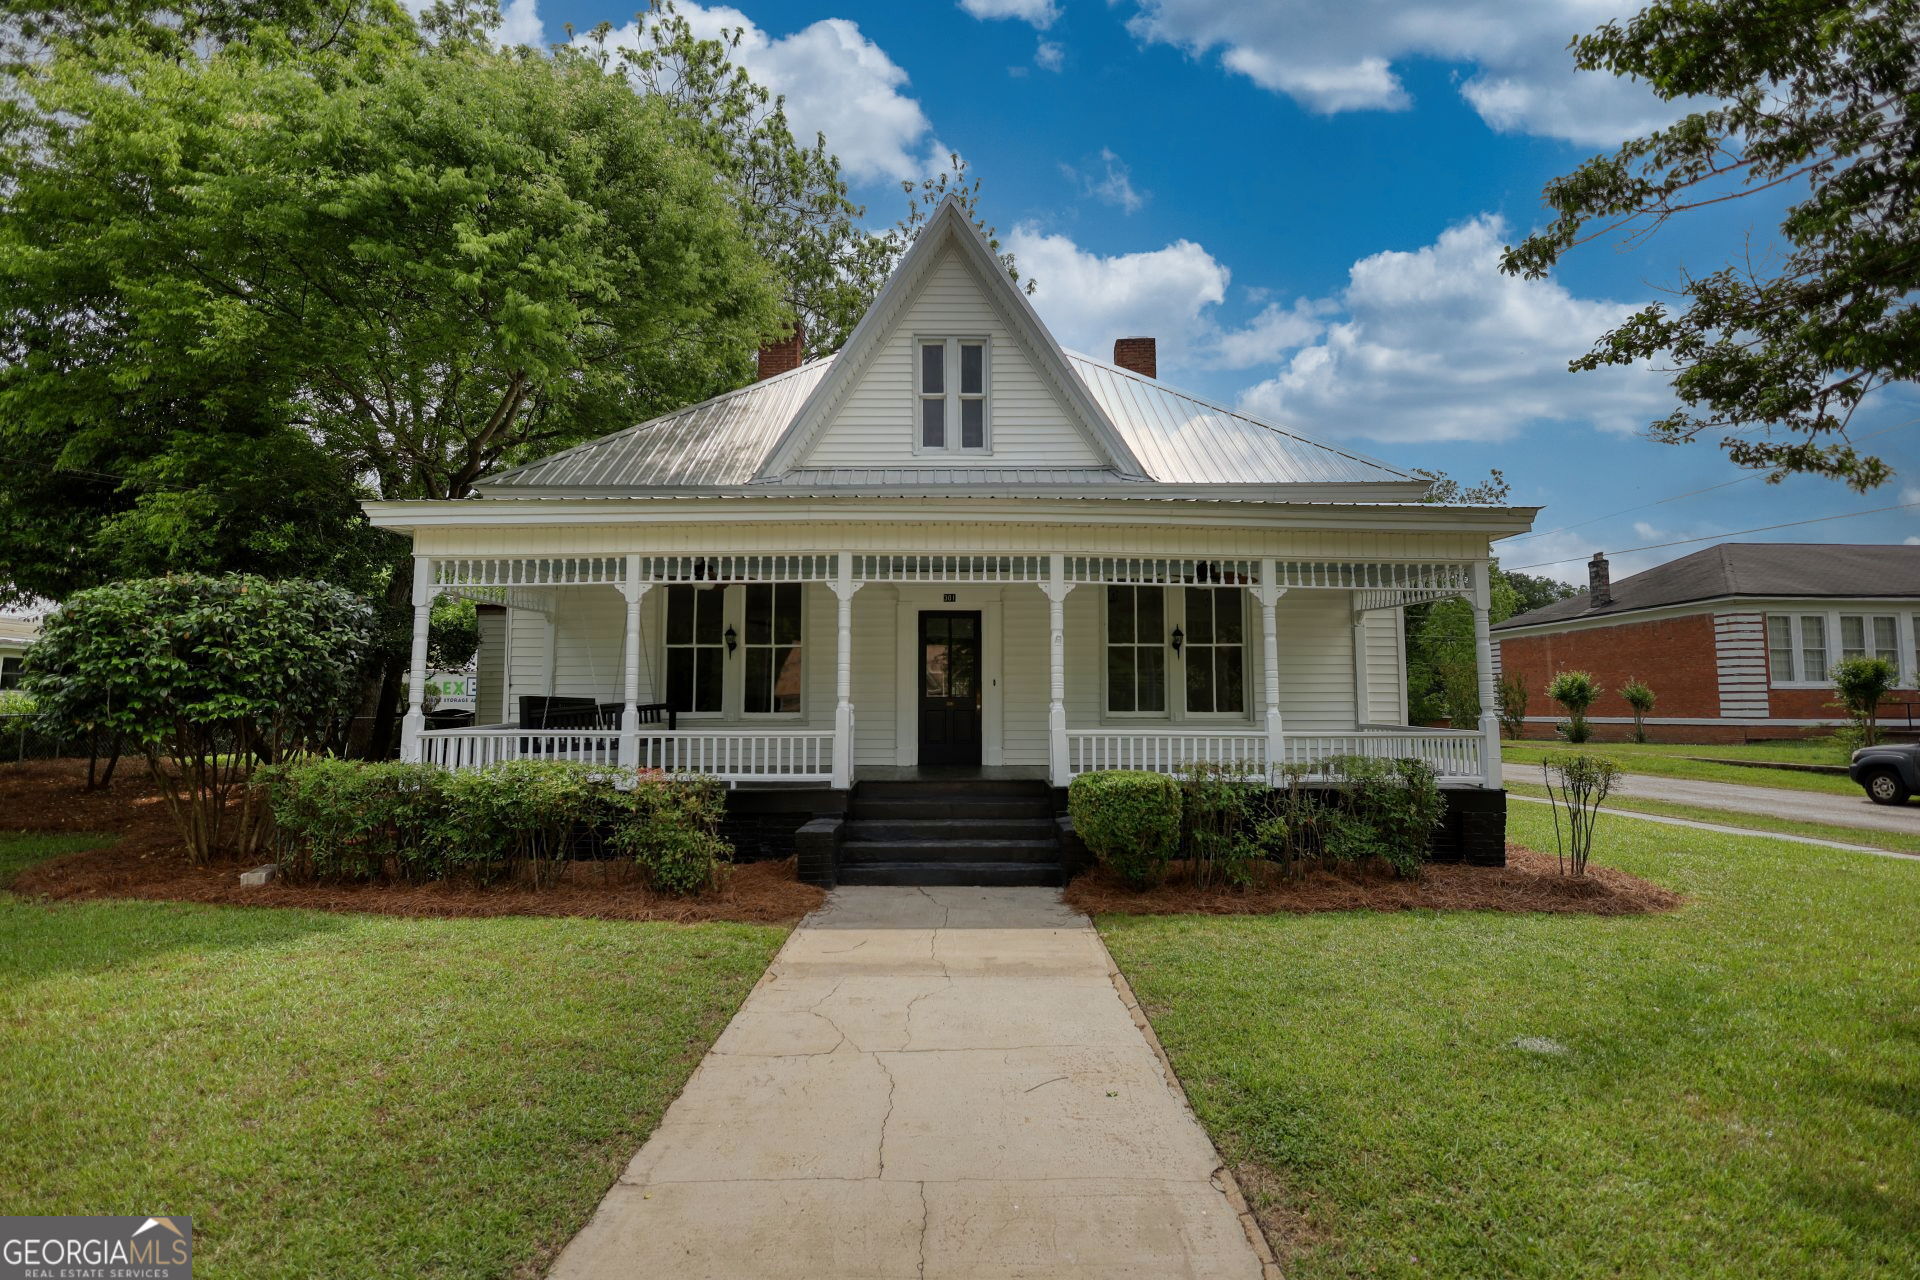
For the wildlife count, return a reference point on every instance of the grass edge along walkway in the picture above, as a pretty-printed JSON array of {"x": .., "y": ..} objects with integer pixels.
[
  {"x": 345, "y": 1094},
  {"x": 1722, "y": 1091},
  {"x": 1864, "y": 839}
]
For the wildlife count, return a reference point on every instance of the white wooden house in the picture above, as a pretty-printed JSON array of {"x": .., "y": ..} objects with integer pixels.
[{"x": 954, "y": 543}]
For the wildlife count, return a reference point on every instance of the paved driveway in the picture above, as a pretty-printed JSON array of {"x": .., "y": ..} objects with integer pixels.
[
  {"x": 1780, "y": 802},
  {"x": 927, "y": 1083}
]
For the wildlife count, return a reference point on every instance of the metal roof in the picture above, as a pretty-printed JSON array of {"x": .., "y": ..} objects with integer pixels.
[
  {"x": 721, "y": 443},
  {"x": 1759, "y": 569}
]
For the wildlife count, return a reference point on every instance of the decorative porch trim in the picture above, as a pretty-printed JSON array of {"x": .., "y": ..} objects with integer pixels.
[
  {"x": 525, "y": 599},
  {"x": 958, "y": 570},
  {"x": 1153, "y": 571},
  {"x": 1438, "y": 577},
  {"x": 1372, "y": 601},
  {"x": 541, "y": 571},
  {"x": 739, "y": 568}
]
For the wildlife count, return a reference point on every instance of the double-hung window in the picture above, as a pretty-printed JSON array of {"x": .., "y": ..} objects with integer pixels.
[
  {"x": 696, "y": 649},
  {"x": 1870, "y": 636},
  {"x": 950, "y": 376},
  {"x": 1136, "y": 651},
  {"x": 1215, "y": 650},
  {"x": 1797, "y": 650},
  {"x": 773, "y": 649}
]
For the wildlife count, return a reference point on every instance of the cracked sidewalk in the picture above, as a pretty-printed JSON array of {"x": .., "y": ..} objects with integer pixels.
[{"x": 927, "y": 1083}]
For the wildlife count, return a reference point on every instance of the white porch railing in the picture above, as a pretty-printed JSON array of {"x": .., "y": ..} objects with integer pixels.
[
  {"x": 734, "y": 755},
  {"x": 1163, "y": 750},
  {"x": 1455, "y": 754},
  {"x": 478, "y": 748},
  {"x": 737, "y": 755}
]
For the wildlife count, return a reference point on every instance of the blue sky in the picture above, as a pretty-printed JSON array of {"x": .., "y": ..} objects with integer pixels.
[{"x": 1303, "y": 202}]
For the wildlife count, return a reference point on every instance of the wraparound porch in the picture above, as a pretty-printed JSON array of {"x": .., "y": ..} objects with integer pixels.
[{"x": 1294, "y": 652}]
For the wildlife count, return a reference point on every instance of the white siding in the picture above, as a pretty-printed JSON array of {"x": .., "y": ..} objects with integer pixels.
[
  {"x": 874, "y": 685},
  {"x": 490, "y": 667},
  {"x": 1740, "y": 660},
  {"x": 1025, "y": 674},
  {"x": 1386, "y": 667},
  {"x": 1316, "y": 661},
  {"x": 874, "y": 425}
]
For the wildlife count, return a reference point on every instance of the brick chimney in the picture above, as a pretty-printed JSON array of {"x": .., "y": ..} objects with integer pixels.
[
  {"x": 1599, "y": 581},
  {"x": 1136, "y": 354},
  {"x": 785, "y": 354}
]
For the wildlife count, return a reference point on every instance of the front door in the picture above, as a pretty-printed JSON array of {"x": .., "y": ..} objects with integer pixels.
[{"x": 949, "y": 688}]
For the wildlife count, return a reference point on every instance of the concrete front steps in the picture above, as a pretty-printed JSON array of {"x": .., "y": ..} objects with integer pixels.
[{"x": 959, "y": 832}]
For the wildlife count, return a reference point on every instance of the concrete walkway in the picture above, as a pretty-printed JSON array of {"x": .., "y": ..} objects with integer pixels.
[
  {"x": 927, "y": 1083},
  {"x": 1780, "y": 802}
]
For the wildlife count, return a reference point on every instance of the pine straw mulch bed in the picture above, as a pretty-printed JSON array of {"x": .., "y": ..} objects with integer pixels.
[
  {"x": 1531, "y": 881},
  {"x": 147, "y": 862}
]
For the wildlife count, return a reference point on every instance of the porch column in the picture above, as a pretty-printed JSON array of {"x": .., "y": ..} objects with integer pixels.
[
  {"x": 1267, "y": 595},
  {"x": 415, "y": 722},
  {"x": 1059, "y": 771},
  {"x": 635, "y": 591},
  {"x": 843, "y": 588},
  {"x": 1483, "y": 666}
]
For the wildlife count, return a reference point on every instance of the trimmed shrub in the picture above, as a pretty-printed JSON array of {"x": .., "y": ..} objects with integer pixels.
[
  {"x": 1130, "y": 819},
  {"x": 348, "y": 820},
  {"x": 1384, "y": 809},
  {"x": 1219, "y": 813},
  {"x": 670, "y": 827}
]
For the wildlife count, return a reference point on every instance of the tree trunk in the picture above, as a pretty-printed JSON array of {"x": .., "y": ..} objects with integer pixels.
[{"x": 386, "y": 713}]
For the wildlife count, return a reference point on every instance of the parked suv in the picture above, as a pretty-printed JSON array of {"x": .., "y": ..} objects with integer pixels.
[{"x": 1890, "y": 772}]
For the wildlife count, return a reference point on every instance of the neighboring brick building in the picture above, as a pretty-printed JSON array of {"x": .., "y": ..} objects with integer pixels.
[{"x": 1736, "y": 640}]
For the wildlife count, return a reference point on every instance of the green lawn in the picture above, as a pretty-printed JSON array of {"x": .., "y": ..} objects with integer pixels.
[
  {"x": 1739, "y": 1093},
  {"x": 344, "y": 1095},
  {"x": 1669, "y": 760},
  {"x": 1898, "y": 842}
]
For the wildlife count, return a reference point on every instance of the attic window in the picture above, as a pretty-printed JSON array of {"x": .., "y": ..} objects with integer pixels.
[{"x": 950, "y": 378}]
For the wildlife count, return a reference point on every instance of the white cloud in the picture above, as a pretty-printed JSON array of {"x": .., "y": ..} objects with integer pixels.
[
  {"x": 1050, "y": 55},
  {"x": 1040, "y": 13},
  {"x": 520, "y": 24},
  {"x": 1089, "y": 300},
  {"x": 519, "y": 21},
  {"x": 1913, "y": 540},
  {"x": 1341, "y": 57},
  {"x": 1436, "y": 344},
  {"x": 1112, "y": 185},
  {"x": 836, "y": 82}
]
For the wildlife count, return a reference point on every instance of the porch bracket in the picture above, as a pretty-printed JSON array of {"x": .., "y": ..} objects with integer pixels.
[
  {"x": 635, "y": 591},
  {"x": 415, "y": 723},
  {"x": 1483, "y": 666},
  {"x": 1056, "y": 588},
  {"x": 843, "y": 586},
  {"x": 1267, "y": 594}
]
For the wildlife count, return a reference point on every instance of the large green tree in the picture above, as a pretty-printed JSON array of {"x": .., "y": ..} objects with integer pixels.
[{"x": 1816, "y": 98}]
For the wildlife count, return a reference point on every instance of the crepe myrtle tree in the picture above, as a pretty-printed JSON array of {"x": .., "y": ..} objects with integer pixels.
[
  {"x": 1858, "y": 685},
  {"x": 1640, "y": 697},
  {"x": 206, "y": 677},
  {"x": 1576, "y": 691}
]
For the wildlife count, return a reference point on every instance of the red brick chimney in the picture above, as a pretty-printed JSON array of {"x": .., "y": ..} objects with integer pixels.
[
  {"x": 785, "y": 354},
  {"x": 1136, "y": 354}
]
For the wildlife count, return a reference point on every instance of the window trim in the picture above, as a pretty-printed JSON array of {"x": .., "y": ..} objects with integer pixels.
[
  {"x": 667, "y": 648},
  {"x": 952, "y": 396},
  {"x": 1174, "y": 614},
  {"x": 1905, "y": 624},
  {"x": 800, "y": 644},
  {"x": 1166, "y": 711}
]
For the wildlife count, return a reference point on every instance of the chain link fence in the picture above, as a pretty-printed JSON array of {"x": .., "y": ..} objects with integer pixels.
[{"x": 28, "y": 736}]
